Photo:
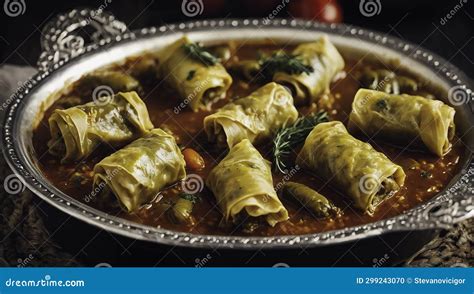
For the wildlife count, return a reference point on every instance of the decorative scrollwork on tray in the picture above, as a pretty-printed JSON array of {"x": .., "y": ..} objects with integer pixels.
[
  {"x": 456, "y": 204},
  {"x": 67, "y": 35}
]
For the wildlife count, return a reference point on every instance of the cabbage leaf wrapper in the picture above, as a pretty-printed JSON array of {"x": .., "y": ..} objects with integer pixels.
[
  {"x": 325, "y": 61},
  {"x": 256, "y": 117},
  {"x": 365, "y": 175},
  {"x": 242, "y": 184},
  {"x": 77, "y": 131},
  {"x": 404, "y": 118},
  {"x": 195, "y": 74},
  {"x": 136, "y": 173}
]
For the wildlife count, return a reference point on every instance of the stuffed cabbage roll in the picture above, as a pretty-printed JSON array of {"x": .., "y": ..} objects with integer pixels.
[
  {"x": 77, "y": 131},
  {"x": 404, "y": 117},
  {"x": 255, "y": 117},
  {"x": 136, "y": 173},
  {"x": 325, "y": 62},
  {"x": 364, "y": 174},
  {"x": 242, "y": 183},
  {"x": 195, "y": 74}
]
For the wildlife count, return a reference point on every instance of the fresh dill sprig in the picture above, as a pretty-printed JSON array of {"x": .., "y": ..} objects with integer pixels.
[
  {"x": 194, "y": 198},
  {"x": 199, "y": 53},
  {"x": 289, "y": 137},
  {"x": 281, "y": 61}
]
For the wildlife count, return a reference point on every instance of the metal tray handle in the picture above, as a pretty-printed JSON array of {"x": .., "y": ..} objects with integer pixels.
[{"x": 67, "y": 35}]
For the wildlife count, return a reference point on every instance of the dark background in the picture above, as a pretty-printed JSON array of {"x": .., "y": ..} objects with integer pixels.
[{"x": 418, "y": 21}]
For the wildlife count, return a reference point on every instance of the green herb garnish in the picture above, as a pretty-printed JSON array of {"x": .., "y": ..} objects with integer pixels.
[
  {"x": 199, "y": 53},
  {"x": 190, "y": 75},
  {"x": 287, "y": 138},
  {"x": 426, "y": 174},
  {"x": 281, "y": 61},
  {"x": 194, "y": 198},
  {"x": 381, "y": 105}
]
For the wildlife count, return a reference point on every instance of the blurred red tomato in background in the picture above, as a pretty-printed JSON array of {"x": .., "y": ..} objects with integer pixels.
[{"x": 320, "y": 10}]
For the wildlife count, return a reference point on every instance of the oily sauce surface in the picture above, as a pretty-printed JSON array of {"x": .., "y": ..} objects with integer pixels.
[{"x": 429, "y": 176}]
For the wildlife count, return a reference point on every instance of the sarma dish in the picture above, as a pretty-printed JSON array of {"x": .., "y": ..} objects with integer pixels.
[
  {"x": 77, "y": 131},
  {"x": 242, "y": 184},
  {"x": 178, "y": 177},
  {"x": 404, "y": 118},
  {"x": 195, "y": 74},
  {"x": 256, "y": 117},
  {"x": 137, "y": 173},
  {"x": 367, "y": 176}
]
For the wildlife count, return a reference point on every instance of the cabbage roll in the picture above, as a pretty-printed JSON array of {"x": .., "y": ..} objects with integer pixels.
[
  {"x": 138, "y": 172},
  {"x": 256, "y": 117},
  {"x": 367, "y": 176},
  {"x": 325, "y": 61},
  {"x": 242, "y": 183},
  {"x": 77, "y": 131},
  {"x": 404, "y": 118},
  {"x": 195, "y": 74}
]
